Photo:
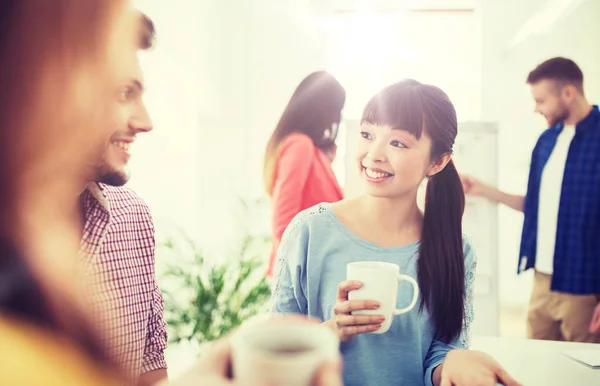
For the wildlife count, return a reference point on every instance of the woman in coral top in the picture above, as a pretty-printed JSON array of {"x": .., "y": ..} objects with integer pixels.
[{"x": 298, "y": 172}]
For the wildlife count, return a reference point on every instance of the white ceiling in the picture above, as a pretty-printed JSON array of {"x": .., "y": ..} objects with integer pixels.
[
  {"x": 392, "y": 5},
  {"x": 545, "y": 19}
]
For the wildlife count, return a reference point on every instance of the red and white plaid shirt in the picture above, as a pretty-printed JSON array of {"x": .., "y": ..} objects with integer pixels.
[{"x": 118, "y": 247}]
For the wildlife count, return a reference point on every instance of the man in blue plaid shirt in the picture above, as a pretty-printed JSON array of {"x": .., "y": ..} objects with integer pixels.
[{"x": 561, "y": 229}]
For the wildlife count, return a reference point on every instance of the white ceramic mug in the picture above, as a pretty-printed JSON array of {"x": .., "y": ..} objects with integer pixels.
[
  {"x": 281, "y": 351},
  {"x": 380, "y": 283}
]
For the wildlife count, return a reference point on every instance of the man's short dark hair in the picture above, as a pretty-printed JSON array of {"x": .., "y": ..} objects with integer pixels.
[
  {"x": 147, "y": 32},
  {"x": 562, "y": 70}
]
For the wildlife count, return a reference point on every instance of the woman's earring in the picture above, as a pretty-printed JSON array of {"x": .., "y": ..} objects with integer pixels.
[{"x": 334, "y": 130}]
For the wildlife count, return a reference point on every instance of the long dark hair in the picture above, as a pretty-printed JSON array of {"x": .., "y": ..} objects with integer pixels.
[
  {"x": 40, "y": 44},
  {"x": 22, "y": 297},
  {"x": 419, "y": 108},
  {"x": 314, "y": 107}
]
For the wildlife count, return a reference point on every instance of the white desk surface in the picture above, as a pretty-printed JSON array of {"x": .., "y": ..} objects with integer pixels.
[{"x": 537, "y": 362}]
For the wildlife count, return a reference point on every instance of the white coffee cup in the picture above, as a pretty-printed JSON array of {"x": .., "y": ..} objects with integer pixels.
[
  {"x": 281, "y": 350},
  {"x": 380, "y": 283}
]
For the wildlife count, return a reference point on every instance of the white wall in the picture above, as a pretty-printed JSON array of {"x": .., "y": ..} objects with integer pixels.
[
  {"x": 443, "y": 49},
  {"x": 218, "y": 80},
  {"x": 165, "y": 164},
  {"x": 506, "y": 100}
]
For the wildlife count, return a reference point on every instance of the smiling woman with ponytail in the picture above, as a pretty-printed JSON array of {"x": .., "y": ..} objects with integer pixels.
[{"x": 407, "y": 135}]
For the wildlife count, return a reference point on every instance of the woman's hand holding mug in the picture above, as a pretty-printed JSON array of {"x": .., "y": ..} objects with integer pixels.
[
  {"x": 347, "y": 325},
  {"x": 366, "y": 301}
]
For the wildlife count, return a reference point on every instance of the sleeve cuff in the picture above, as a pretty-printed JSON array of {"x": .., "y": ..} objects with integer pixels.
[
  {"x": 152, "y": 364},
  {"x": 428, "y": 378}
]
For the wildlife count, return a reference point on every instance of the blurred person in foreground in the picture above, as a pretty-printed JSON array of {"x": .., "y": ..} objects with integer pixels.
[
  {"x": 58, "y": 65},
  {"x": 299, "y": 154},
  {"x": 55, "y": 100},
  {"x": 561, "y": 229}
]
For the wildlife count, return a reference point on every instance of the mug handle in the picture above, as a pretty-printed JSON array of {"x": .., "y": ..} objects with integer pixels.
[{"x": 415, "y": 294}]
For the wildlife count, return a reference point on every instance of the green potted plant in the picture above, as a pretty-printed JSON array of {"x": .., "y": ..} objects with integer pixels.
[{"x": 207, "y": 298}]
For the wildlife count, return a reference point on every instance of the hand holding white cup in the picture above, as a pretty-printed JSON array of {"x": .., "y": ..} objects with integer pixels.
[
  {"x": 215, "y": 365},
  {"x": 380, "y": 283},
  {"x": 283, "y": 350},
  {"x": 366, "y": 301},
  {"x": 344, "y": 323}
]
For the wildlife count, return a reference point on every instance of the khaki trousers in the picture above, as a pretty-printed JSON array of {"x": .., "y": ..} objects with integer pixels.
[{"x": 559, "y": 316}]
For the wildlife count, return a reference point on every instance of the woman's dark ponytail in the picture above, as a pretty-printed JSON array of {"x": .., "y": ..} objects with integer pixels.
[{"x": 441, "y": 269}]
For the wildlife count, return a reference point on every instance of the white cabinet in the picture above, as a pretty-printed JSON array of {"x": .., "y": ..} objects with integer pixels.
[{"x": 475, "y": 153}]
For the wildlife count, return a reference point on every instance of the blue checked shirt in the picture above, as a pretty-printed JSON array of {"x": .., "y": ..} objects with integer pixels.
[{"x": 577, "y": 250}]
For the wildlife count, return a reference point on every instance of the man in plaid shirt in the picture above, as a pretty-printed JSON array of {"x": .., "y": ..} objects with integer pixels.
[
  {"x": 561, "y": 229},
  {"x": 118, "y": 240}
]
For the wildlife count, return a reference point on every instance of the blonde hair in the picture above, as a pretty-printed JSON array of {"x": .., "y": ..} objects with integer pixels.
[{"x": 58, "y": 62}]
